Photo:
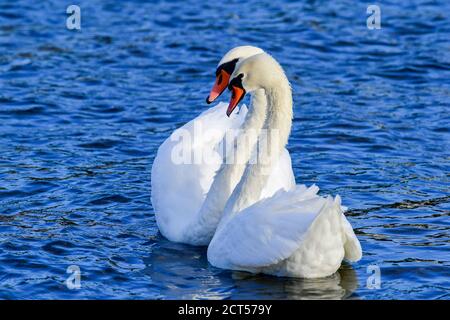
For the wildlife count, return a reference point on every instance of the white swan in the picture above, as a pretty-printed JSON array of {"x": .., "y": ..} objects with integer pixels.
[
  {"x": 293, "y": 233},
  {"x": 184, "y": 208}
]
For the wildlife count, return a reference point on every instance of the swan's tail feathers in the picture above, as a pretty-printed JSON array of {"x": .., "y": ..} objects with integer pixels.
[{"x": 352, "y": 247}]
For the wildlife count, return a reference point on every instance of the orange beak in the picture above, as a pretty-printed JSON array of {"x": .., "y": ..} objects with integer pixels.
[
  {"x": 237, "y": 94},
  {"x": 219, "y": 86}
]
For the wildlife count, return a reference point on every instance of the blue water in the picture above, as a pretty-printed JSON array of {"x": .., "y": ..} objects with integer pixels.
[{"x": 82, "y": 114}]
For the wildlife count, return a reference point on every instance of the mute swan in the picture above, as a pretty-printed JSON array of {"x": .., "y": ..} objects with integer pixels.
[
  {"x": 294, "y": 233},
  {"x": 184, "y": 208}
]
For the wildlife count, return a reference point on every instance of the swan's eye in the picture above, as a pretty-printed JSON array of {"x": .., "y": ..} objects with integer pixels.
[
  {"x": 237, "y": 81},
  {"x": 228, "y": 66}
]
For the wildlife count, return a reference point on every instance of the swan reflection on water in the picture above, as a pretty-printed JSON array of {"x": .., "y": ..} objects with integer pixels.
[{"x": 183, "y": 272}]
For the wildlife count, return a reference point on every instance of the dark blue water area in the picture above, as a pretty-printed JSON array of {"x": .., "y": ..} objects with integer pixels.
[{"x": 82, "y": 114}]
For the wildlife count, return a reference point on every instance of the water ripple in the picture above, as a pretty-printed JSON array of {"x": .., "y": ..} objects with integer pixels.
[{"x": 83, "y": 113}]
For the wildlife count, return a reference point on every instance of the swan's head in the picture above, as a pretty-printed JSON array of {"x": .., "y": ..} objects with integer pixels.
[
  {"x": 226, "y": 67},
  {"x": 260, "y": 71}
]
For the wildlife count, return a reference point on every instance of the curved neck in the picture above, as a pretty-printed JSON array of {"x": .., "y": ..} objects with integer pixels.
[
  {"x": 271, "y": 143},
  {"x": 230, "y": 172}
]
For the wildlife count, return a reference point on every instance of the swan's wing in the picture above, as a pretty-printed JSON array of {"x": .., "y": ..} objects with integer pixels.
[
  {"x": 273, "y": 229},
  {"x": 266, "y": 232},
  {"x": 179, "y": 180}
]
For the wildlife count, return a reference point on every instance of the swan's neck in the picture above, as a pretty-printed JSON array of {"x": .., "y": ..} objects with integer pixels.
[
  {"x": 271, "y": 143},
  {"x": 230, "y": 172}
]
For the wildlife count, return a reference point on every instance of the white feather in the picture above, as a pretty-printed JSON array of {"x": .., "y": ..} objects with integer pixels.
[{"x": 179, "y": 190}]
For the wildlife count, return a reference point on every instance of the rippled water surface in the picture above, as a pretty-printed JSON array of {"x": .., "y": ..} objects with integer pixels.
[{"x": 82, "y": 114}]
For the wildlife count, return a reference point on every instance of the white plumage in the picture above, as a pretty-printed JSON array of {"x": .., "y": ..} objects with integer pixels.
[
  {"x": 179, "y": 189},
  {"x": 293, "y": 233},
  {"x": 252, "y": 215},
  {"x": 296, "y": 233}
]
